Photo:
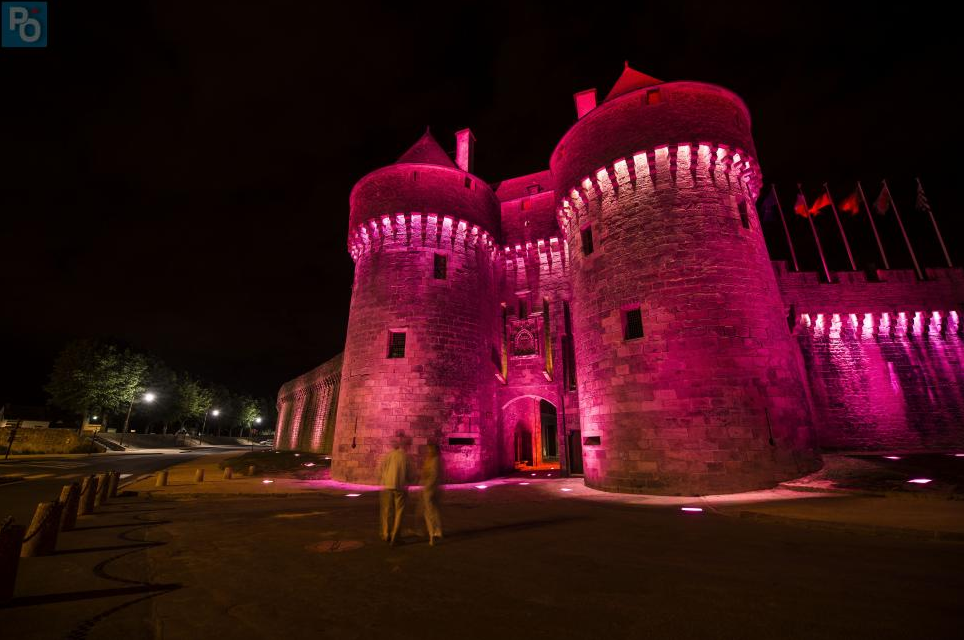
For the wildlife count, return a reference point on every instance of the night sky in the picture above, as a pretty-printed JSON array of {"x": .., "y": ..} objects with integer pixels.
[{"x": 175, "y": 175}]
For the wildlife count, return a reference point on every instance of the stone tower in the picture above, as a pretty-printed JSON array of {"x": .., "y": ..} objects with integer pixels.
[
  {"x": 423, "y": 315},
  {"x": 688, "y": 380}
]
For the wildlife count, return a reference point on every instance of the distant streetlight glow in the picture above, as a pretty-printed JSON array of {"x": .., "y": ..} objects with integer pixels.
[
  {"x": 149, "y": 397},
  {"x": 216, "y": 413}
]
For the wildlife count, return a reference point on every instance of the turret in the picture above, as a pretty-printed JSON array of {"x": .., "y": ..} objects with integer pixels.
[
  {"x": 422, "y": 323},
  {"x": 688, "y": 380}
]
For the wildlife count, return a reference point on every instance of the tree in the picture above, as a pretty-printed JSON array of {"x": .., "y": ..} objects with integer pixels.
[
  {"x": 191, "y": 398},
  {"x": 248, "y": 411},
  {"x": 89, "y": 375}
]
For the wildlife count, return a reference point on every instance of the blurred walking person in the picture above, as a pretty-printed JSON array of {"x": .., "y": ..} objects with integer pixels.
[
  {"x": 431, "y": 477},
  {"x": 392, "y": 476}
]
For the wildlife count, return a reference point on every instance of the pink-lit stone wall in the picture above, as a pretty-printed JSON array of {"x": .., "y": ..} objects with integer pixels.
[
  {"x": 536, "y": 271},
  {"x": 444, "y": 386},
  {"x": 694, "y": 405},
  {"x": 884, "y": 358},
  {"x": 306, "y": 409}
]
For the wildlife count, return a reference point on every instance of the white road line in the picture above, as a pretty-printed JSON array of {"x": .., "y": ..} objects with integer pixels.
[{"x": 38, "y": 476}]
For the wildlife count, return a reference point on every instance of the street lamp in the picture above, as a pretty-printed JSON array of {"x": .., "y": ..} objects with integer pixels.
[
  {"x": 148, "y": 397},
  {"x": 251, "y": 432},
  {"x": 215, "y": 413}
]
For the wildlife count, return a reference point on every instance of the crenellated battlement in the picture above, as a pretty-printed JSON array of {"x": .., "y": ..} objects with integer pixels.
[
  {"x": 419, "y": 230},
  {"x": 679, "y": 165},
  {"x": 550, "y": 255}
]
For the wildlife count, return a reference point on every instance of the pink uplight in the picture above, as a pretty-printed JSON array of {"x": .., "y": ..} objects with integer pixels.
[
  {"x": 267, "y": 481},
  {"x": 920, "y": 481},
  {"x": 523, "y": 484},
  {"x": 533, "y": 475},
  {"x": 892, "y": 457},
  {"x": 352, "y": 495},
  {"x": 692, "y": 509},
  {"x": 309, "y": 464},
  {"x": 481, "y": 486},
  {"x": 565, "y": 489},
  {"x": 959, "y": 455}
]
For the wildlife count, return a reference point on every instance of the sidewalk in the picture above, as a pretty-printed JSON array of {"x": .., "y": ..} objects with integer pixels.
[{"x": 521, "y": 556}]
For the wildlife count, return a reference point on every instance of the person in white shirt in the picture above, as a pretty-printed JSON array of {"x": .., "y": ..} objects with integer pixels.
[{"x": 393, "y": 475}]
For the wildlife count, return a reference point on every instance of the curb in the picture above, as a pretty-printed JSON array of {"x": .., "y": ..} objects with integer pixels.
[{"x": 871, "y": 529}]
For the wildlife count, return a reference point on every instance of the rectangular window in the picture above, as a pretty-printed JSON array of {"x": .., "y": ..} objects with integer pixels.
[
  {"x": 744, "y": 214},
  {"x": 396, "y": 344},
  {"x": 591, "y": 441},
  {"x": 441, "y": 264},
  {"x": 468, "y": 182},
  {"x": 415, "y": 176},
  {"x": 632, "y": 323},
  {"x": 462, "y": 441},
  {"x": 523, "y": 312},
  {"x": 586, "y": 235}
]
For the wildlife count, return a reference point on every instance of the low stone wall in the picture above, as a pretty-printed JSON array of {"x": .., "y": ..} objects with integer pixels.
[{"x": 43, "y": 440}]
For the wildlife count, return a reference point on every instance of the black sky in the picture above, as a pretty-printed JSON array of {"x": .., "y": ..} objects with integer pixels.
[{"x": 175, "y": 175}]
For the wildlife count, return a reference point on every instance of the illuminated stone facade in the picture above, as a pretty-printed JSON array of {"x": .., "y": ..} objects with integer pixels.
[{"x": 617, "y": 316}]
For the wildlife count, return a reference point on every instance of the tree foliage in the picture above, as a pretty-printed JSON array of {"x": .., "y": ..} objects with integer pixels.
[{"x": 89, "y": 375}]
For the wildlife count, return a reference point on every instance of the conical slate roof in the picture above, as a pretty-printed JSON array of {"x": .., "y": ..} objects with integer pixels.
[
  {"x": 630, "y": 80},
  {"x": 426, "y": 151}
]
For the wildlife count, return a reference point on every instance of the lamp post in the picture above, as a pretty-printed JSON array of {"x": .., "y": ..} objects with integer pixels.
[
  {"x": 215, "y": 413},
  {"x": 148, "y": 397},
  {"x": 251, "y": 432}
]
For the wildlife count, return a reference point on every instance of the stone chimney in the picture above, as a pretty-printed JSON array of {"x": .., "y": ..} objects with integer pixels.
[
  {"x": 465, "y": 150},
  {"x": 585, "y": 102}
]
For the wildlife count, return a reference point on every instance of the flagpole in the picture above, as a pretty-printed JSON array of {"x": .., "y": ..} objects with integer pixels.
[
  {"x": 816, "y": 238},
  {"x": 873, "y": 226},
  {"x": 900, "y": 223},
  {"x": 843, "y": 236},
  {"x": 940, "y": 238},
  {"x": 786, "y": 229}
]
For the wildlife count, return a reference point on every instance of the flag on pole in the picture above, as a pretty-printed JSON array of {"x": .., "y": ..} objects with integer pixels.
[
  {"x": 769, "y": 206},
  {"x": 882, "y": 203},
  {"x": 851, "y": 205},
  {"x": 820, "y": 203},
  {"x": 922, "y": 204},
  {"x": 800, "y": 207}
]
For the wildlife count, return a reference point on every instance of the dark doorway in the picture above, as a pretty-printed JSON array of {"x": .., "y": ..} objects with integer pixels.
[
  {"x": 547, "y": 418},
  {"x": 575, "y": 452},
  {"x": 523, "y": 445}
]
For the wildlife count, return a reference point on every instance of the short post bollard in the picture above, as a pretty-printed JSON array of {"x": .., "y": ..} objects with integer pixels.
[
  {"x": 70, "y": 498},
  {"x": 228, "y": 474},
  {"x": 87, "y": 491},
  {"x": 11, "y": 537},
  {"x": 41, "y": 537},
  {"x": 102, "y": 489},
  {"x": 114, "y": 479},
  {"x": 161, "y": 480},
  {"x": 252, "y": 470},
  {"x": 199, "y": 475}
]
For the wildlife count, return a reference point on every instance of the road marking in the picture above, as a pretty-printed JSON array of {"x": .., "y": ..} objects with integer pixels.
[{"x": 38, "y": 476}]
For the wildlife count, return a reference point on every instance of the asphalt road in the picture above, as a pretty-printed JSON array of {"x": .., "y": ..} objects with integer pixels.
[{"x": 45, "y": 476}]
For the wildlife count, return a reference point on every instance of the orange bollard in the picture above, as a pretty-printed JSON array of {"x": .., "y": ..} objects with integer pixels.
[
  {"x": 41, "y": 537},
  {"x": 11, "y": 539},
  {"x": 70, "y": 499}
]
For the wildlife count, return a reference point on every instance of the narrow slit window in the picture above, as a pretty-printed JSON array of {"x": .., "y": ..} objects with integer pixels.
[
  {"x": 462, "y": 442},
  {"x": 586, "y": 235},
  {"x": 396, "y": 344},
  {"x": 415, "y": 176},
  {"x": 653, "y": 97},
  {"x": 633, "y": 324},
  {"x": 744, "y": 214},
  {"x": 468, "y": 182},
  {"x": 441, "y": 267}
]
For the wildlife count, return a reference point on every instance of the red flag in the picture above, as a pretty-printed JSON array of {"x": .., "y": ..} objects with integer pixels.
[
  {"x": 822, "y": 201},
  {"x": 882, "y": 204},
  {"x": 800, "y": 207},
  {"x": 850, "y": 204}
]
